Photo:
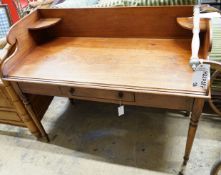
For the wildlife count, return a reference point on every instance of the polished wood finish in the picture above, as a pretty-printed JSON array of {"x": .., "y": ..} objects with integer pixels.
[
  {"x": 187, "y": 23},
  {"x": 164, "y": 101},
  {"x": 75, "y": 92},
  {"x": 44, "y": 23},
  {"x": 40, "y": 89},
  {"x": 119, "y": 55},
  {"x": 120, "y": 22},
  {"x": 196, "y": 113},
  {"x": 116, "y": 96},
  {"x": 87, "y": 62}
]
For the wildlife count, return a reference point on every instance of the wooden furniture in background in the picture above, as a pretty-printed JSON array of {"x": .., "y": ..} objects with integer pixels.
[
  {"x": 215, "y": 55},
  {"x": 117, "y": 55},
  {"x": 13, "y": 111}
]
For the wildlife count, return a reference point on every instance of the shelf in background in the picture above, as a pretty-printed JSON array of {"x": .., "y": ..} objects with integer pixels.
[
  {"x": 44, "y": 23},
  {"x": 187, "y": 23}
]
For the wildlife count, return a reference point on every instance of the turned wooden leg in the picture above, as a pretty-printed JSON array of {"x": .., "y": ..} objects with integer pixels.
[
  {"x": 28, "y": 107},
  {"x": 196, "y": 113},
  {"x": 21, "y": 110},
  {"x": 30, "y": 122},
  {"x": 34, "y": 117}
]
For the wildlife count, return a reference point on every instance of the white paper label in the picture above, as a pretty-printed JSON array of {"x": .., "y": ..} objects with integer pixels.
[
  {"x": 121, "y": 110},
  {"x": 201, "y": 76}
]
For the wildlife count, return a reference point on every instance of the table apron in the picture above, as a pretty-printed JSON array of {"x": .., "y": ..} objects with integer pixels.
[{"x": 110, "y": 96}]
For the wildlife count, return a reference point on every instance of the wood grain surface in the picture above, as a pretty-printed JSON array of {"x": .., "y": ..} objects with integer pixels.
[
  {"x": 151, "y": 22},
  {"x": 187, "y": 23},
  {"x": 44, "y": 23},
  {"x": 142, "y": 63},
  {"x": 135, "y": 55}
]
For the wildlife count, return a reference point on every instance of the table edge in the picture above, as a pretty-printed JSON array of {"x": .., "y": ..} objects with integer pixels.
[{"x": 136, "y": 89}]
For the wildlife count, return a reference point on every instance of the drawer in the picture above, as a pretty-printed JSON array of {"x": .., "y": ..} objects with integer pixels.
[
  {"x": 164, "y": 101},
  {"x": 90, "y": 93},
  {"x": 40, "y": 89},
  {"x": 9, "y": 116}
]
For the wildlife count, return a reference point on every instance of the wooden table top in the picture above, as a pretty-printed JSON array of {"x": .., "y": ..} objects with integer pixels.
[{"x": 134, "y": 64}]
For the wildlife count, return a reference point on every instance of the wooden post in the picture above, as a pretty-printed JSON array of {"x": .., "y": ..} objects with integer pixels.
[
  {"x": 20, "y": 109},
  {"x": 32, "y": 114},
  {"x": 196, "y": 113}
]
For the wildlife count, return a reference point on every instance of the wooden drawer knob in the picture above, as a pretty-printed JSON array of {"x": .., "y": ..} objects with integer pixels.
[
  {"x": 120, "y": 94},
  {"x": 72, "y": 91}
]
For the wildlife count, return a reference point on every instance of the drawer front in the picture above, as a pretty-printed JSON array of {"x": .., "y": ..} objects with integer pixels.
[
  {"x": 164, "y": 101},
  {"x": 40, "y": 89},
  {"x": 8, "y": 116},
  {"x": 98, "y": 94},
  {"x": 5, "y": 101}
]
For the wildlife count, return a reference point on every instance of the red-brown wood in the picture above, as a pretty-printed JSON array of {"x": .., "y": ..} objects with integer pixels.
[
  {"x": 139, "y": 52},
  {"x": 108, "y": 62}
]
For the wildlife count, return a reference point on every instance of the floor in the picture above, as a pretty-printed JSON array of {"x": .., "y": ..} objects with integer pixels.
[{"x": 89, "y": 138}]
